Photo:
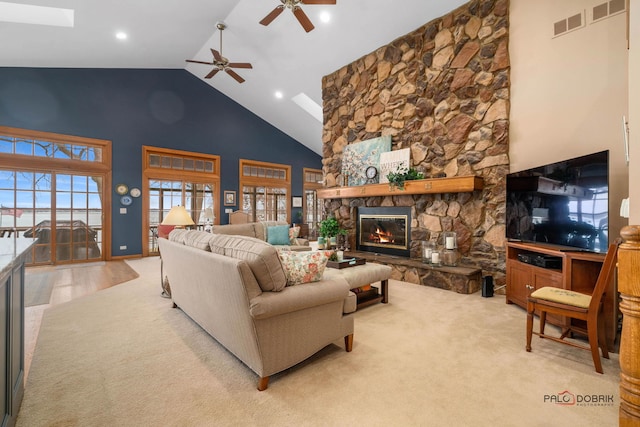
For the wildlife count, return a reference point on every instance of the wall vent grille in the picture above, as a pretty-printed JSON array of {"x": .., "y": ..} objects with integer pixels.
[
  {"x": 607, "y": 9},
  {"x": 569, "y": 24}
]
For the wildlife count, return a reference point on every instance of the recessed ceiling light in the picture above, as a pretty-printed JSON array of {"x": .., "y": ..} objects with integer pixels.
[
  {"x": 325, "y": 17},
  {"x": 121, "y": 35},
  {"x": 278, "y": 94}
]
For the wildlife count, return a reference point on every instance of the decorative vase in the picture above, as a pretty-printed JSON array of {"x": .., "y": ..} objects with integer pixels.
[
  {"x": 333, "y": 241},
  {"x": 321, "y": 242}
]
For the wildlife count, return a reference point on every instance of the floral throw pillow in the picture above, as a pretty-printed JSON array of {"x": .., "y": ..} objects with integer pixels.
[
  {"x": 293, "y": 235},
  {"x": 303, "y": 267}
]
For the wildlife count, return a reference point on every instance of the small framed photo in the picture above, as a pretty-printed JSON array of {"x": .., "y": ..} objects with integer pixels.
[
  {"x": 229, "y": 198},
  {"x": 296, "y": 201}
]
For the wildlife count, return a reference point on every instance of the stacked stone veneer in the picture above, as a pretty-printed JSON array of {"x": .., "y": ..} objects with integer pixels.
[{"x": 442, "y": 91}]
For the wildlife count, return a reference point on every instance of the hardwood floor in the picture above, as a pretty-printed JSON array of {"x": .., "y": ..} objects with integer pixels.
[{"x": 70, "y": 282}]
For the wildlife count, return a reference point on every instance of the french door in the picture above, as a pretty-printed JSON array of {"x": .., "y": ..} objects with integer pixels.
[
  {"x": 55, "y": 188},
  {"x": 197, "y": 198},
  {"x": 63, "y": 211}
]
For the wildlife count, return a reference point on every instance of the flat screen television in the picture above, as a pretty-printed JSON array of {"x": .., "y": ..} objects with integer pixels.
[{"x": 563, "y": 204}]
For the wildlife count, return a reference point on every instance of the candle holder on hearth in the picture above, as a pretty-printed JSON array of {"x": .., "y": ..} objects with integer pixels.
[
  {"x": 450, "y": 252},
  {"x": 427, "y": 249},
  {"x": 436, "y": 258}
]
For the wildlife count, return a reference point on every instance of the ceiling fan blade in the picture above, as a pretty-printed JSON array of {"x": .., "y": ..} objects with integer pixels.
[
  {"x": 318, "y": 2},
  {"x": 199, "y": 62},
  {"x": 216, "y": 55},
  {"x": 212, "y": 73},
  {"x": 272, "y": 15},
  {"x": 239, "y": 65},
  {"x": 234, "y": 75},
  {"x": 303, "y": 19}
]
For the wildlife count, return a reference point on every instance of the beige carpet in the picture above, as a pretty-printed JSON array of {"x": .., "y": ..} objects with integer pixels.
[{"x": 430, "y": 357}]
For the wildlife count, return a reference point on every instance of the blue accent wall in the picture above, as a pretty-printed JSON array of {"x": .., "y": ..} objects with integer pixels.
[{"x": 132, "y": 108}]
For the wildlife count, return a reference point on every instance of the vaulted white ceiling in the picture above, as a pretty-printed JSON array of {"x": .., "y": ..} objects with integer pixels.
[{"x": 163, "y": 34}]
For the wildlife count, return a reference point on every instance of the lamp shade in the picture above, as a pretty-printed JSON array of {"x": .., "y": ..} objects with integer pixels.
[
  {"x": 178, "y": 216},
  {"x": 208, "y": 214}
]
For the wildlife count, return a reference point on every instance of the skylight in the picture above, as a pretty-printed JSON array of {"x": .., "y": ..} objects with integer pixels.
[
  {"x": 39, "y": 15},
  {"x": 309, "y": 105}
]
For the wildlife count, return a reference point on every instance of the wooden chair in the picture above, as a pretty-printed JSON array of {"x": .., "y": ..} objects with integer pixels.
[
  {"x": 238, "y": 217},
  {"x": 575, "y": 305}
]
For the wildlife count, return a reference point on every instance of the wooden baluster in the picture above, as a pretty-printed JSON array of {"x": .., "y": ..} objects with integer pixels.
[{"x": 629, "y": 288}]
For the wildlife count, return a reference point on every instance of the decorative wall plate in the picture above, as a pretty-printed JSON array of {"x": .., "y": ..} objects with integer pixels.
[
  {"x": 126, "y": 200},
  {"x": 135, "y": 192},
  {"x": 122, "y": 189}
]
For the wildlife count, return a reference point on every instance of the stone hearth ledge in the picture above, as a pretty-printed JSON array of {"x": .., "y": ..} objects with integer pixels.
[{"x": 461, "y": 279}]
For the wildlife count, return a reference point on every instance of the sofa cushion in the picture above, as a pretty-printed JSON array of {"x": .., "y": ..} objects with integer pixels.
[
  {"x": 198, "y": 239},
  {"x": 248, "y": 230},
  {"x": 304, "y": 267},
  {"x": 177, "y": 235},
  {"x": 263, "y": 226},
  {"x": 278, "y": 235},
  {"x": 261, "y": 257},
  {"x": 293, "y": 235}
]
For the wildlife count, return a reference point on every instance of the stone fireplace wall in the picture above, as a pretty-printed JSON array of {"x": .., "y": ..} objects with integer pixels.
[{"x": 442, "y": 91}]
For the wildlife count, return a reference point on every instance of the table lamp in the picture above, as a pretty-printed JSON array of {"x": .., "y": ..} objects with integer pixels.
[{"x": 178, "y": 217}]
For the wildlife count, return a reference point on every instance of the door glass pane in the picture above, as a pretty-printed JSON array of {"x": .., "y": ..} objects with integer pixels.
[
  {"x": 73, "y": 231},
  {"x": 197, "y": 198}
]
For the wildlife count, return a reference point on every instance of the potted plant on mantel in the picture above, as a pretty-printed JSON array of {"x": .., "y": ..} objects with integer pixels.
[
  {"x": 329, "y": 229},
  {"x": 402, "y": 174}
]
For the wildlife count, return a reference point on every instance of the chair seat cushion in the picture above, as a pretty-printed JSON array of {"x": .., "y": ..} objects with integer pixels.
[{"x": 562, "y": 296}]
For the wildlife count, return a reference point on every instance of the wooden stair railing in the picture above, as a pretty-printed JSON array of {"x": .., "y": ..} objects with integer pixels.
[{"x": 629, "y": 288}]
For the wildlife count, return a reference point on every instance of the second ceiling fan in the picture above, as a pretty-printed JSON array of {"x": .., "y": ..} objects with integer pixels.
[
  {"x": 294, "y": 5},
  {"x": 221, "y": 63}
]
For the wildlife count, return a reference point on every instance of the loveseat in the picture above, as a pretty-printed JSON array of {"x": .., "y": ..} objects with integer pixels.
[
  {"x": 260, "y": 230},
  {"x": 235, "y": 288}
]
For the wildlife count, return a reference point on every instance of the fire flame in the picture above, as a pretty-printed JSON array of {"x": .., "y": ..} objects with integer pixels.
[{"x": 381, "y": 236}]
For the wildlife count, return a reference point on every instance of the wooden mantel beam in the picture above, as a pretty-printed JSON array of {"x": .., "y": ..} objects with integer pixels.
[{"x": 456, "y": 184}]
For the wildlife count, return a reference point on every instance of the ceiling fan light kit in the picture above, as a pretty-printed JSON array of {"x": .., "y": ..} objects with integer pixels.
[
  {"x": 221, "y": 63},
  {"x": 294, "y": 5}
]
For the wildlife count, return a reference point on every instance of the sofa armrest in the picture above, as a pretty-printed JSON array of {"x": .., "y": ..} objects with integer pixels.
[
  {"x": 298, "y": 297},
  {"x": 302, "y": 242}
]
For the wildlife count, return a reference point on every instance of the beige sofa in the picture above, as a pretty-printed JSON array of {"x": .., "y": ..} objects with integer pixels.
[
  {"x": 234, "y": 288},
  {"x": 260, "y": 230}
]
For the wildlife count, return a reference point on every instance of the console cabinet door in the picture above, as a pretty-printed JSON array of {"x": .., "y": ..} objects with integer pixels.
[{"x": 518, "y": 278}]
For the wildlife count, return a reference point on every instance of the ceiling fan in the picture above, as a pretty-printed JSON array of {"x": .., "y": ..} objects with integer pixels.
[
  {"x": 221, "y": 63},
  {"x": 297, "y": 11}
]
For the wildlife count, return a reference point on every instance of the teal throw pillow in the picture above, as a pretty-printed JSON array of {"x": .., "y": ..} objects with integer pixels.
[{"x": 278, "y": 235}]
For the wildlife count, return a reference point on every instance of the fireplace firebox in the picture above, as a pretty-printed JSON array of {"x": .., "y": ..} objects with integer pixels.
[{"x": 385, "y": 230}]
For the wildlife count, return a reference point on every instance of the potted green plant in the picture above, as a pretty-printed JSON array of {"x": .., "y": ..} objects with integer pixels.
[
  {"x": 402, "y": 174},
  {"x": 330, "y": 228}
]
